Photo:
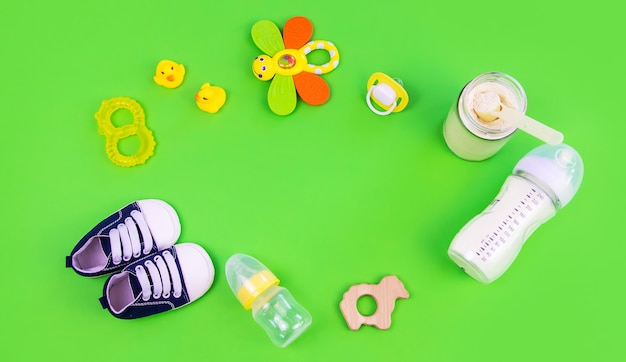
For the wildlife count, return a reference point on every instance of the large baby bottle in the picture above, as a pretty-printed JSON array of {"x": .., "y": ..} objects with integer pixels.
[
  {"x": 273, "y": 307},
  {"x": 542, "y": 182}
]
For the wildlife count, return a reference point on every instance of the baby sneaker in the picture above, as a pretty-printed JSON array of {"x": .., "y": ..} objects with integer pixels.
[
  {"x": 166, "y": 280},
  {"x": 138, "y": 229}
]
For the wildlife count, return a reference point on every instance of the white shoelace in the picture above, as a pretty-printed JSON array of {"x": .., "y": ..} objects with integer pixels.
[
  {"x": 125, "y": 240},
  {"x": 164, "y": 275}
]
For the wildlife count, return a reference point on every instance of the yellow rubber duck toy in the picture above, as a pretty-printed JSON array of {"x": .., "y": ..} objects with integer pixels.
[
  {"x": 210, "y": 98},
  {"x": 169, "y": 74}
]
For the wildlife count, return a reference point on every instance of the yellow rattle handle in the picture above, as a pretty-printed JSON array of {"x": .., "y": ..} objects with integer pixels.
[{"x": 333, "y": 62}]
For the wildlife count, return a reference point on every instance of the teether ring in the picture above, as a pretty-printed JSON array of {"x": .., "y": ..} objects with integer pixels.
[
  {"x": 115, "y": 134},
  {"x": 385, "y": 293}
]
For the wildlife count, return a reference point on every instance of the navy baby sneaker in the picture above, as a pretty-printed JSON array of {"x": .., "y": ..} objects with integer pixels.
[
  {"x": 166, "y": 280},
  {"x": 138, "y": 229}
]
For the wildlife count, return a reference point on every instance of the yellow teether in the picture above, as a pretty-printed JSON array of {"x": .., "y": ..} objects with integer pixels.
[
  {"x": 169, "y": 74},
  {"x": 115, "y": 134}
]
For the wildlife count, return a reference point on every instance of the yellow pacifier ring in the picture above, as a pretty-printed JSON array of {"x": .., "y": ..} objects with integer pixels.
[{"x": 115, "y": 134}]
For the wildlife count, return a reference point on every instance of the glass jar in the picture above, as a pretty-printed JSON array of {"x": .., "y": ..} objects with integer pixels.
[{"x": 466, "y": 134}]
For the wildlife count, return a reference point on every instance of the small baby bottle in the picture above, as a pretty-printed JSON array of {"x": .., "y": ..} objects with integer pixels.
[
  {"x": 542, "y": 182},
  {"x": 273, "y": 307}
]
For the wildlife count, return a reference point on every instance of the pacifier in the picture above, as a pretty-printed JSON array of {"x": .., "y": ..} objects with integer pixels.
[{"x": 387, "y": 94}]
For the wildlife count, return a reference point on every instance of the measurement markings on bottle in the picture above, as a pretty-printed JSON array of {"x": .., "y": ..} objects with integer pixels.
[{"x": 506, "y": 228}]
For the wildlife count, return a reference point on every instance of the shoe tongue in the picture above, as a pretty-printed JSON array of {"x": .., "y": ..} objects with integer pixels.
[
  {"x": 105, "y": 243},
  {"x": 134, "y": 285}
]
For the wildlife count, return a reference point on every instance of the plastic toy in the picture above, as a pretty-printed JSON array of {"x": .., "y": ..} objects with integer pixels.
[
  {"x": 385, "y": 293},
  {"x": 273, "y": 307},
  {"x": 210, "y": 98},
  {"x": 387, "y": 94},
  {"x": 169, "y": 74},
  {"x": 286, "y": 64},
  {"x": 115, "y": 134}
]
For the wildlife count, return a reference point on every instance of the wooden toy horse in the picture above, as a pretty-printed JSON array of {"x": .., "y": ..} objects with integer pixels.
[{"x": 385, "y": 293}]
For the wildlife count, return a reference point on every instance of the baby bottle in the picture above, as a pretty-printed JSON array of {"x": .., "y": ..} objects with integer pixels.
[
  {"x": 542, "y": 182},
  {"x": 273, "y": 307}
]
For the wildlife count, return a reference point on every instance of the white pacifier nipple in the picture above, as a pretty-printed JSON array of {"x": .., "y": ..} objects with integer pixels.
[{"x": 384, "y": 94}]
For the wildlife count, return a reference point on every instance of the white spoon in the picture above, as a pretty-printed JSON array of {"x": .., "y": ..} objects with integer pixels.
[{"x": 489, "y": 108}]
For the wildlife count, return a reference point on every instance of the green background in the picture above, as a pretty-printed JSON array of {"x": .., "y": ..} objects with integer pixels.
[{"x": 327, "y": 197}]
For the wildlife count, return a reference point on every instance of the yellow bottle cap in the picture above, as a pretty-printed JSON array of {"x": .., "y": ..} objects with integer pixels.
[{"x": 255, "y": 286}]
